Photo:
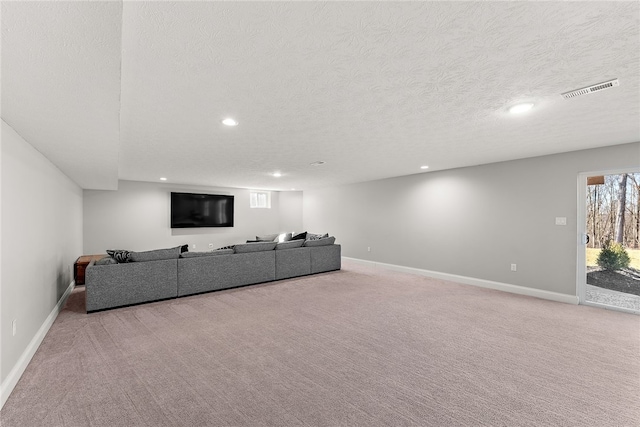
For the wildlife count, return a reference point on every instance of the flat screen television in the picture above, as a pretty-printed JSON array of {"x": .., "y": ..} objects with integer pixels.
[{"x": 190, "y": 210}]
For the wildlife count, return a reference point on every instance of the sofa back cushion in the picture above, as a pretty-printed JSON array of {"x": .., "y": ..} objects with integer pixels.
[
  {"x": 320, "y": 242},
  {"x": 242, "y": 248},
  {"x": 156, "y": 255},
  {"x": 106, "y": 261},
  {"x": 290, "y": 244},
  {"x": 267, "y": 238},
  {"x": 210, "y": 253}
]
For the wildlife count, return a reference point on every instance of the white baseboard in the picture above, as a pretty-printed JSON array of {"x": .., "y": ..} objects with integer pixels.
[
  {"x": 10, "y": 382},
  {"x": 514, "y": 289}
]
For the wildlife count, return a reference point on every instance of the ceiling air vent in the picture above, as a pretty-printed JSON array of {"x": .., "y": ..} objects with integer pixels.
[{"x": 591, "y": 89}]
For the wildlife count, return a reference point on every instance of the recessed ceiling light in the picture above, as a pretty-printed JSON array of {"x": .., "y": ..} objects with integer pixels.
[
  {"x": 277, "y": 174},
  {"x": 521, "y": 108},
  {"x": 293, "y": 189},
  {"x": 318, "y": 163},
  {"x": 424, "y": 167},
  {"x": 229, "y": 122},
  {"x": 163, "y": 179}
]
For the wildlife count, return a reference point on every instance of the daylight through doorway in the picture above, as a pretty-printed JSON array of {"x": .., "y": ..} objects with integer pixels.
[{"x": 612, "y": 253}]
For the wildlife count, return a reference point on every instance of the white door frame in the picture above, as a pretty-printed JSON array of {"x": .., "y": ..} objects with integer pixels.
[{"x": 581, "y": 274}]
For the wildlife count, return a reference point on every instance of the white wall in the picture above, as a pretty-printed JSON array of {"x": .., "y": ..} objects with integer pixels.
[
  {"x": 291, "y": 211},
  {"x": 137, "y": 217},
  {"x": 473, "y": 222},
  {"x": 41, "y": 238}
]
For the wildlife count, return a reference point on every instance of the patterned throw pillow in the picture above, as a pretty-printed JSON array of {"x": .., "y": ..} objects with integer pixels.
[
  {"x": 226, "y": 247},
  {"x": 311, "y": 236},
  {"x": 184, "y": 248},
  {"x": 120, "y": 255}
]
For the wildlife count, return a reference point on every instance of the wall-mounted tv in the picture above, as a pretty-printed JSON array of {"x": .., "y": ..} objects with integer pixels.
[{"x": 190, "y": 210}]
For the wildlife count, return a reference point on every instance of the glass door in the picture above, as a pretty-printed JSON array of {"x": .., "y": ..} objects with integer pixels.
[{"x": 609, "y": 241}]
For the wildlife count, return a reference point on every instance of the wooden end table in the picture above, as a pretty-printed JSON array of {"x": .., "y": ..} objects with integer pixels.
[{"x": 81, "y": 264}]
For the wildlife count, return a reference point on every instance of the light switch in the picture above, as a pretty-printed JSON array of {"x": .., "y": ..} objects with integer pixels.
[{"x": 561, "y": 220}]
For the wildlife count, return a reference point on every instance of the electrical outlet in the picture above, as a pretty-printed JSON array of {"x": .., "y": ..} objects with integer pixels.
[
  {"x": 14, "y": 326},
  {"x": 514, "y": 267},
  {"x": 193, "y": 246},
  {"x": 368, "y": 248}
]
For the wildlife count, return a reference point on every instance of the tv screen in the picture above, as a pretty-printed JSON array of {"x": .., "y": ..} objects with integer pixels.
[{"x": 201, "y": 210}]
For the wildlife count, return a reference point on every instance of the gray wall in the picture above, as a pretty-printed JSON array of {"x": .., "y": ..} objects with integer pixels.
[
  {"x": 137, "y": 217},
  {"x": 474, "y": 221},
  {"x": 41, "y": 238}
]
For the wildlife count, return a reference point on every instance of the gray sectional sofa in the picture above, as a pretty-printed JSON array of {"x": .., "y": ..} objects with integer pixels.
[{"x": 122, "y": 284}]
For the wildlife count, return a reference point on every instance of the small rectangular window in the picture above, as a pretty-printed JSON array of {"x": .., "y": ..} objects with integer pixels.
[{"x": 260, "y": 199}]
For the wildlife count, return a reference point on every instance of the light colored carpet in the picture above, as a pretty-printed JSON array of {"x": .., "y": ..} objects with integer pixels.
[{"x": 357, "y": 347}]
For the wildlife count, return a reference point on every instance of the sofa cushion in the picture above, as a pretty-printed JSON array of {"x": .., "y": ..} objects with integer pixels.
[
  {"x": 156, "y": 255},
  {"x": 311, "y": 236},
  {"x": 267, "y": 238},
  {"x": 290, "y": 245},
  {"x": 106, "y": 261},
  {"x": 120, "y": 255},
  {"x": 209, "y": 253},
  {"x": 320, "y": 242},
  {"x": 254, "y": 247},
  {"x": 300, "y": 236}
]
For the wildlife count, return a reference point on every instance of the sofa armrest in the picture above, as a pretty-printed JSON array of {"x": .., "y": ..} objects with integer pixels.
[
  {"x": 325, "y": 258},
  {"x": 109, "y": 286}
]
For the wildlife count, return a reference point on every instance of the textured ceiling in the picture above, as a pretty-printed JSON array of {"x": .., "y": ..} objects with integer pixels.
[
  {"x": 137, "y": 90},
  {"x": 61, "y": 84}
]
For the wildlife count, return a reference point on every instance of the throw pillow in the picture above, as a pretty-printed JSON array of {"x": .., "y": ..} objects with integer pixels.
[
  {"x": 284, "y": 237},
  {"x": 290, "y": 245},
  {"x": 184, "y": 248},
  {"x": 120, "y": 255},
  {"x": 156, "y": 255},
  {"x": 311, "y": 236},
  {"x": 226, "y": 247},
  {"x": 267, "y": 238},
  {"x": 300, "y": 236},
  {"x": 254, "y": 247},
  {"x": 320, "y": 242}
]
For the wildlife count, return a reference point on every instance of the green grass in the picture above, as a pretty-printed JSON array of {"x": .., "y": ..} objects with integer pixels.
[{"x": 634, "y": 254}]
